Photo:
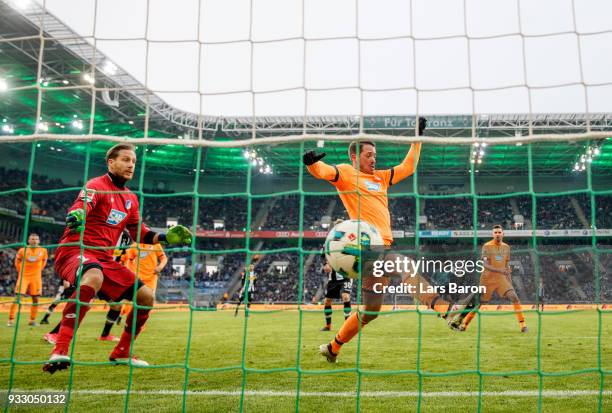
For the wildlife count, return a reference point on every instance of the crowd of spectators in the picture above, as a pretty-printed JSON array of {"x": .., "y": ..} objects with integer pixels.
[
  {"x": 554, "y": 212},
  {"x": 557, "y": 212},
  {"x": 449, "y": 213}
]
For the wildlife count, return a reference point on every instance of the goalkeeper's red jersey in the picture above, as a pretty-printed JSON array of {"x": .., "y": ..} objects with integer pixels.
[{"x": 110, "y": 210}]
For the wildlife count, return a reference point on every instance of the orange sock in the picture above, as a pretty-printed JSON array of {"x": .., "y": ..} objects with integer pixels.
[
  {"x": 13, "y": 311},
  {"x": 33, "y": 311},
  {"x": 441, "y": 306},
  {"x": 519, "y": 314},
  {"x": 349, "y": 329},
  {"x": 468, "y": 319}
]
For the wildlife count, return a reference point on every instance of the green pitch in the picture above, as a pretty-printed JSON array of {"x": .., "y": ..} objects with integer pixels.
[{"x": 389, "y": 356}]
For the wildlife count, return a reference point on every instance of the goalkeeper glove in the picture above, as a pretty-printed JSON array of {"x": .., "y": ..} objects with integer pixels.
[
  {"x": 177, "y": 235},
  {"x": 75, "y": 220},
  {"x": 422, "y": 125},
  {"x": 311, "y": 157}
]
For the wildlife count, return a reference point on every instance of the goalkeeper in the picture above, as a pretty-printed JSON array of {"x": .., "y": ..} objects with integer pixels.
[{"x": 100, "y": 214}]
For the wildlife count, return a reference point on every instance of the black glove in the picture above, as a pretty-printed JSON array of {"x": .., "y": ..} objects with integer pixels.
[
  {"x": 311, "y": 157},
  {"x": 422, "y": 125}
]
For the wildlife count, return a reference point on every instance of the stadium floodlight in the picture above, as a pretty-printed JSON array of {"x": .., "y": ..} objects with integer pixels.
[
  {"x": 42, "y": 126},
  {"x": 77, "y": 124},
  {"x": 109, "y": 68},
  {"x": 65, "y": 82},
  {"x": 7, "y": 128},
  {"x": 3, "y": 85},
  {"x": 596, "y": 151},
  {"x": 246, "y": 154},
  {"x": 89, "y": 78}
]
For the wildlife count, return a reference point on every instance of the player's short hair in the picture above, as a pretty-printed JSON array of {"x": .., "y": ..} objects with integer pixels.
[
  {"x": 339, "y": 220},
  {"x": 33, "y": 234},
  {"x": 113, "y": 152},
  {"x": 498, "y": 227},
  {"x": 353, "y": 146}
]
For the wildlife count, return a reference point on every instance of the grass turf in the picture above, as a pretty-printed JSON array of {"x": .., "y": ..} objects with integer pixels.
[{"x": 390, "y": 353}]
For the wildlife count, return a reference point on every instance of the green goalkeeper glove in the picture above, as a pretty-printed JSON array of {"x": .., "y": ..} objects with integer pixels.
[
  {"x": 178, "y": 235},
  {"x": 75, "y": 220}
]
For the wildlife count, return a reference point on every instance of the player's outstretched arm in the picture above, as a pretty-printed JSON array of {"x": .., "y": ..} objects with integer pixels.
[
  {"x": 317, "y": 167},
  {"x": 410, "y": 162}
]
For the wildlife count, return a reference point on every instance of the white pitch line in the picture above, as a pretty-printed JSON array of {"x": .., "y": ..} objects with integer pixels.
[{"x": 373, "y": 394}]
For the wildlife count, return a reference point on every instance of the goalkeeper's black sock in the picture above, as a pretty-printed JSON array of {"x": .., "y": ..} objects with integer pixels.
[
  {"x": 56, "y": 328},
  {"x": 111, "y": 319},
  {"x": 328, "y": 314},
  {"x": 347, "y": 309}
]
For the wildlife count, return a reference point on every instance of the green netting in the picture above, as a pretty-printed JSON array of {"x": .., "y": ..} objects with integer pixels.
[{"x": 424, "y": 317}]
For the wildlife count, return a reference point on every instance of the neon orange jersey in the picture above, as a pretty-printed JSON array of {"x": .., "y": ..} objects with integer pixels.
[
  {"x": 496, "y": 255},
  {"x": 35, "y": 261},
  {"x": 143, "y": 262},
  {"x": 367, "y": 193}
]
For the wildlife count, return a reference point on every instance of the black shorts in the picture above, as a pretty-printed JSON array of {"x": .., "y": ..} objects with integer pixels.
[
  {"x": 250, "y": 295},
  {"x": 335, "y": 289}
]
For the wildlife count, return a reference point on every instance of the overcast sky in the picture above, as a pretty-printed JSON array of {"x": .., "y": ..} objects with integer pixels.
[{"x": 224, "y": 53}]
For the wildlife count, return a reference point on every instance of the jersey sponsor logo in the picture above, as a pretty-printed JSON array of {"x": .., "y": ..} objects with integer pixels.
[
  {"x": 33, "y": 258},
  {"x": 128, "y": 204},
  {"x": 499, "y": 257},
  {"x": 372, "y": 186},
  {"x": 115, "y": 217}
]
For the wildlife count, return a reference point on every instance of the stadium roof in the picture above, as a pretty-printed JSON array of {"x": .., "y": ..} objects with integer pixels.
[{"x": 66, "y": 100}]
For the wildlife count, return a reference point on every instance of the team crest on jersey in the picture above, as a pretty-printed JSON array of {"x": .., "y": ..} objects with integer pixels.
[
  {"x": 128, "y": 204},
  {"x": 372, "y": 186},
  {"x": 115, "y": 217}
]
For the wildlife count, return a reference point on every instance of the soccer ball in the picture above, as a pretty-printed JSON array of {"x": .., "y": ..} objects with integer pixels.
[{"x": 344, "y": 242}]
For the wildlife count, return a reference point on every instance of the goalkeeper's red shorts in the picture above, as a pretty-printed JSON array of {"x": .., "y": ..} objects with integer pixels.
[{"x": 118, "y": 280}]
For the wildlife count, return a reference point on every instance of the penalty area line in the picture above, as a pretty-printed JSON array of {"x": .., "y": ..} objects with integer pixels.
[{"x": 372, "y": 394}]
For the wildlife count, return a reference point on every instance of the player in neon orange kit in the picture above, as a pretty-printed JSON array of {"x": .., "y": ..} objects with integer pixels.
[
  {"x": 363, "y": 191},
  {"x": 496, "y": 279},
  {"x": 29, "y": 263},
  {"x": 146, "y": 261}
]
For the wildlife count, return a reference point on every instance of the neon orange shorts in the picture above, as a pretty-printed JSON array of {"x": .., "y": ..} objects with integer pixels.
[
  {"x": 495, "y": 283},
  {"x": 29, "y": 285}
]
